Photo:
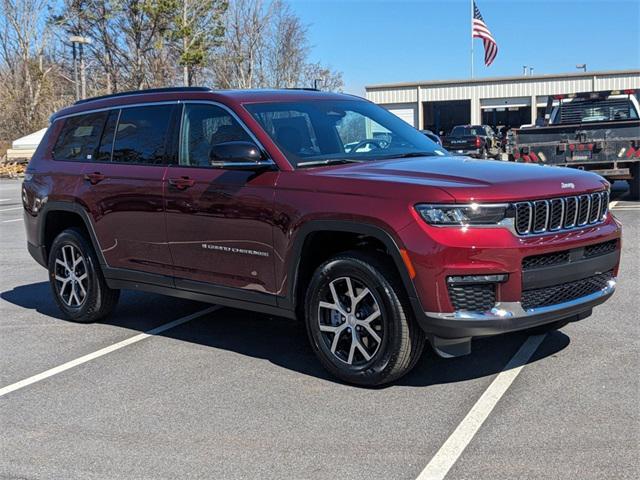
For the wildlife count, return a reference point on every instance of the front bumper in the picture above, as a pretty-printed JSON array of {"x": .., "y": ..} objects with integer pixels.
[{"x": 510, "y": 316}]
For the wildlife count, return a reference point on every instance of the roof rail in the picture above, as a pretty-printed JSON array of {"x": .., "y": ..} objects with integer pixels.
[
  {"x": 310, "y": 89},
  {"x": 145, "y": 92}
]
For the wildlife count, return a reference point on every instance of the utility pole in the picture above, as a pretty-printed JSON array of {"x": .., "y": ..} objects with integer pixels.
[
  {"x": 76, "y": 84},
  {"x": 81, "y": 86}
]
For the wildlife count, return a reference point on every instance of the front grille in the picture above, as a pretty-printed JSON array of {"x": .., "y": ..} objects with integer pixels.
[
  {"x": 564, "y": 292},
  {"x": 477, "y": 297},
  {"x": 600, "y": 248},
  {"x": 545, "y": 260},
  {"x": 564, "y": 256},
  {"x": 558, "y": 214}
]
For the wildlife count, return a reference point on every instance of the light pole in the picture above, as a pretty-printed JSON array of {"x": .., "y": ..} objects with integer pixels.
[
  {"x": 81, "y": 87},
  {"x": 524, "y": 70},
  {"x": 582, "y": 66}
]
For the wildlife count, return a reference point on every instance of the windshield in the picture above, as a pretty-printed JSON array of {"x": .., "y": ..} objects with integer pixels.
[
  {"x": 467, "y": 131},
  {"x": 333, "y": 131}
]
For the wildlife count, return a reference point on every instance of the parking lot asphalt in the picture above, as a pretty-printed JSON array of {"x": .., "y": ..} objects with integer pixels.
[{"x": 234, "y": 394}]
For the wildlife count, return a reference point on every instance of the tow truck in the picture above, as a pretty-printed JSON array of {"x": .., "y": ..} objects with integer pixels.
[{"x": 595, "y": 131}]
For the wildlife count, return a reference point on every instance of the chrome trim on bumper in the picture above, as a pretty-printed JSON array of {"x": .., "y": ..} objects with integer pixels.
[{"x": 505, "y": 310}]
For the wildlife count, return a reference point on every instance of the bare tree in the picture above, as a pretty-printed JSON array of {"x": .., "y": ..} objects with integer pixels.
[
  {"x": 199, "y": 29},
  {"x": 27, "y": 73}
]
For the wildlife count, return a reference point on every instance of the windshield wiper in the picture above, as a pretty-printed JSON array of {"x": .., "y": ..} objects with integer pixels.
[
  {"x": 409, "y": 155},
  {"x": 328, "y": 161}
]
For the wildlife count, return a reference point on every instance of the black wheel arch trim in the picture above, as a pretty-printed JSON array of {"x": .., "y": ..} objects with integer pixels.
[
  {"x": 289, "y": 301},
  {"x": 72, "y": 207}
]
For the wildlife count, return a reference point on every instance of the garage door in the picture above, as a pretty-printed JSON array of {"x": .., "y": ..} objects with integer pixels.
[{"x": 406, "y": 114}]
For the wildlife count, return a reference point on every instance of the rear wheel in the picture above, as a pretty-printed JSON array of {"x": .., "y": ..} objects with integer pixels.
[
  {"x": 484, "y": 154},
  {"x": 78, "y": 285},
  {"x": 358, "y": 320}
]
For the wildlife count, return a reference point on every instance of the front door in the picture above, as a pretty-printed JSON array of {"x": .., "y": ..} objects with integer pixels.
[
  {"x": 123, "y": 189},
  {"x": 219, "y": 221}
]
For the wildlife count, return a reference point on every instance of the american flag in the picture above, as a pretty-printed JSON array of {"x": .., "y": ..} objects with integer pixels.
[{"x": 480, "y": 30}]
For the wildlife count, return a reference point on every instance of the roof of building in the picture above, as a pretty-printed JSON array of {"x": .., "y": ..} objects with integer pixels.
[
  {"x": 518, "y": 78},
  {"x": 29, "y": 142}
]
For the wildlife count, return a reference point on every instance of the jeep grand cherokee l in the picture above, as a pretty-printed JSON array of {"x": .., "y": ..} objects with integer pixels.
[{"x": 250, "y": 199}]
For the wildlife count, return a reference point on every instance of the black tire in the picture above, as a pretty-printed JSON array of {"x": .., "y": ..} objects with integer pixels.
[
  {"x": 98, "y": 299},
  {"x": 634, "y": 183},
  {"x": 484, "y": 154},
  {"x": 401, "y": 339}
]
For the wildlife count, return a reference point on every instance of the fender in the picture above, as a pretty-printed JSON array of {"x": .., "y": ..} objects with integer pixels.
[
  {"x": 61, "y": 206},
  {"x": 368, "y": 229}
]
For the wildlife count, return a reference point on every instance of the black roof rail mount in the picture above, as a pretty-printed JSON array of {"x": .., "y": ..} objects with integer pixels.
[{"x": 145, "y": 92}]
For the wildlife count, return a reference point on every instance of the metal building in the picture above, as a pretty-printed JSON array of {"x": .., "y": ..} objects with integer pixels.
[{"x": 500, "y": 101}]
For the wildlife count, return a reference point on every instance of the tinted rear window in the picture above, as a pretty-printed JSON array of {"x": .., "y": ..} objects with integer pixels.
[
  {"x": 467, "y": 131},
  {"x": 597, "y": 110},
  {"x": 79, "y": 137},
  {"x": 141, "y": 135}
]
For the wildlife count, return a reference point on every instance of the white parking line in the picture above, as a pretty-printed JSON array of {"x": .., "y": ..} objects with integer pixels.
[
  {"x": 613, "y": 204},
  {"x": 14, "y": 220},
  {"x": 9, "y": 209},
  {"x": 4, "y": 199},
  {"x": 103, "y": 351},
  {"x": 451, "y": 450}
]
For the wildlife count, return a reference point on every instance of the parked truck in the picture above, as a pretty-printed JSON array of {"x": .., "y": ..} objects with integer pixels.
[{"x": 595, "y": 131}]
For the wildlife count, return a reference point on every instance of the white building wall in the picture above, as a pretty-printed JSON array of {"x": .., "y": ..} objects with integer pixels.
[{"x": 532, "y": 88}]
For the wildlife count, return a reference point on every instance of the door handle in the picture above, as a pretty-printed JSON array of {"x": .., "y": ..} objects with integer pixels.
[
  {"x": 94, "y": 177},
  {"x": 182, "y": 183}
]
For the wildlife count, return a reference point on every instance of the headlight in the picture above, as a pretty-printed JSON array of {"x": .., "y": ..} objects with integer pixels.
[{"x": 471, "y": 214}]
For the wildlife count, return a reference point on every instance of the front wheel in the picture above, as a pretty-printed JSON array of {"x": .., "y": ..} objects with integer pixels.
[
  {"x": 358, "y": 320},
  {"x": 78, "y": 285}
]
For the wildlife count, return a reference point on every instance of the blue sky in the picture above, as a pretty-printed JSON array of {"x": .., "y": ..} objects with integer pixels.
[{"x": 380, "y": 41}]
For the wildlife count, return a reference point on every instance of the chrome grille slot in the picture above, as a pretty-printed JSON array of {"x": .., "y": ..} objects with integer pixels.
[
  {"x": 584, "y": 203},
  {"x": 558, "y": 214},
  {"x": 605, "y": 205},
  {"x": 571, "y": 212},
  {"x": 594, "y": 213},
  {"x": 540, "y": 216},
  {"x": 523, "y": 217}
]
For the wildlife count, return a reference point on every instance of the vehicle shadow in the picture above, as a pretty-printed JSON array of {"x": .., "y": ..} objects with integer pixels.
[{"x": 283, "y": 342}]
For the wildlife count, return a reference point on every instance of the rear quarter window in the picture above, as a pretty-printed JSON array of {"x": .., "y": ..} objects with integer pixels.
[{"x": 79, "y": 137}]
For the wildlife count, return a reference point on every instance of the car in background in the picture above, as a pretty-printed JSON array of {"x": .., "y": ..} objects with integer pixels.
[
  {"x": 432, "y": 136},
  {"x": 479, "y": 141}
]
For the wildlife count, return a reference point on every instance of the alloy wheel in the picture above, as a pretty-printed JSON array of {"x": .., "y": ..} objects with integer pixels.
[
  {"x": 71, "y": 276},
  {"x": 350, "y": 321}
]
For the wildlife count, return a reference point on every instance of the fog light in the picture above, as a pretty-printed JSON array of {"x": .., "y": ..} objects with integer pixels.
[{"x": 478, "y": 278}]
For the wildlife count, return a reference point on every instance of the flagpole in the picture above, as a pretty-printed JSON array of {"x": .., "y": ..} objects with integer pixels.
[{"x": 471, "y": 33}]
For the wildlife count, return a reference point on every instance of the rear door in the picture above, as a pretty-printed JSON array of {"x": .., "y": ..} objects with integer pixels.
[
  {"x": 219, "y": 220},
  {"x": 123, "y": 188}
]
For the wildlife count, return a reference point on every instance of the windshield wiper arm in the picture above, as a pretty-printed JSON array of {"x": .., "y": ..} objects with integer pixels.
[
  {"x": 410, "y": 155},
  {"x": 328, "y": 161}
]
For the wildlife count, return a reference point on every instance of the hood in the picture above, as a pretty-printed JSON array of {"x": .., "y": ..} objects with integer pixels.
[{"x": 467, "y": 179}]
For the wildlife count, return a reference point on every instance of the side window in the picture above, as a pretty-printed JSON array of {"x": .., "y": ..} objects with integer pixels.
[
  {"x": 204, "y": 126},
  {"x": 292, "y": 130},
  {"x": 79, "y": 137},
  {"x": 141, "y": 135},
  {"x": 106, "y": 142}
]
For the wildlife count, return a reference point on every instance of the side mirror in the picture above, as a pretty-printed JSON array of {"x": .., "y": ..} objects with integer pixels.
[{"x": 237, "y": 155}]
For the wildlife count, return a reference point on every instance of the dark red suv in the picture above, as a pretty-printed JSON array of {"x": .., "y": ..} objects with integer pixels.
[{"x": 316, "y": 206}]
